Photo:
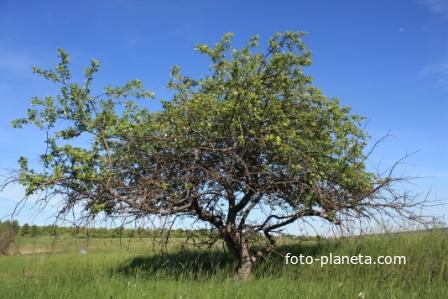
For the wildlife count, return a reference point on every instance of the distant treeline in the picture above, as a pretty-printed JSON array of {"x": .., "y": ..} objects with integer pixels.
[
  {"x": 28, "y": 230},
  {"x": 93, "y": 232}
]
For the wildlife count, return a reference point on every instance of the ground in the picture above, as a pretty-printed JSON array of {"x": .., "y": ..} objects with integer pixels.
[{"x": 67, "y": 267}]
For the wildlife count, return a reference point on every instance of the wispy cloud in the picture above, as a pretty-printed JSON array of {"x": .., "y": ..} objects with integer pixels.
[
  {"x": 436, "y": 6},
  {"x": 438, "y": 71},
  {"x": 14, "y": 61}
]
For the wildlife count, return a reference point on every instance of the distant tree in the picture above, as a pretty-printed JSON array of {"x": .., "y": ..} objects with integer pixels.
[
  {"x": 8, "y": 232},
  {"x": 25, "y": 230},
  {"x": 53, "y": 230},
  {"x": 249, "y": 148},
  {"x": 34, "y": 231},
  {"x": 15, "y": 226}
]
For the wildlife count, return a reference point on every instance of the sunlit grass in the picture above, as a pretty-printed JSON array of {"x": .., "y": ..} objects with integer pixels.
[{"x": 133, "y": 268}]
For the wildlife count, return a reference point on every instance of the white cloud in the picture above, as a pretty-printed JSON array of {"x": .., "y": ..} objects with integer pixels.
[
  {"x": 438, "y": 71},
  {"x": 435, "y": 69},
  {"x": 436, "y": 6}
]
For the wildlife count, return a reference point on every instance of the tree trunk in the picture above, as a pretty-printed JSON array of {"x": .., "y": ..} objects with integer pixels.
[
  {"x": 241, "y": 250},
  {"x": 245, "y": 266},
  {"x": 239, "y": 246}
]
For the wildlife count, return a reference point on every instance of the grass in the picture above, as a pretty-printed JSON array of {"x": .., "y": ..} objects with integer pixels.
[{"x": 133, "y": 269}]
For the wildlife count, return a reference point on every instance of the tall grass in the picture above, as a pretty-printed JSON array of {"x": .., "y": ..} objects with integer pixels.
[{"x": 111, "y": 270}]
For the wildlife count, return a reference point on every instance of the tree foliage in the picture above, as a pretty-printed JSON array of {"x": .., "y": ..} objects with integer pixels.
[
  {"x": 8, "y": 232},
  {"x": 249, "y": 148}
]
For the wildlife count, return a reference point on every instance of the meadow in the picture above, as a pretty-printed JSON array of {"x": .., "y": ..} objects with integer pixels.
[{"x": 69, "y": 267}]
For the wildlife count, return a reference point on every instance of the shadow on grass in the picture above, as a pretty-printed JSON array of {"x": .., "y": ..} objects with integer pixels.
[
  {"x": 205, "y": 264},
  {"x": 188, "y": 264}
]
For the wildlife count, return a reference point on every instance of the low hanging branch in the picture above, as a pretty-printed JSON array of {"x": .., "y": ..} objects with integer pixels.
[{"x": 250, "y": 148}]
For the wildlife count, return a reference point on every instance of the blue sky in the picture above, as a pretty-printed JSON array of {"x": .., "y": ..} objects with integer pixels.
[{"x": 388, "y": 60}]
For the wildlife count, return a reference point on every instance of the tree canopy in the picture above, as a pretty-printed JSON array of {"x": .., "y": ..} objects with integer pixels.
[{"x": 249, "y": 148}]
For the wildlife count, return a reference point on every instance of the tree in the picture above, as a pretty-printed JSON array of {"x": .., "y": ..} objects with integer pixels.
[
  {"x": 8, "y": 232},
  {"x": 34, "y": 232},
  {"x": 249, "y": 148},
  {"x": 25, "y": 230}
]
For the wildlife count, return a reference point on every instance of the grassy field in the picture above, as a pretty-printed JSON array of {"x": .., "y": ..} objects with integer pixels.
[{"x": 132, "y": 268}]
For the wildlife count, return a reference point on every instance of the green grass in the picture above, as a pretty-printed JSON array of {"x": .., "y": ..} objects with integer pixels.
[{"x": 134, "y": 269}]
